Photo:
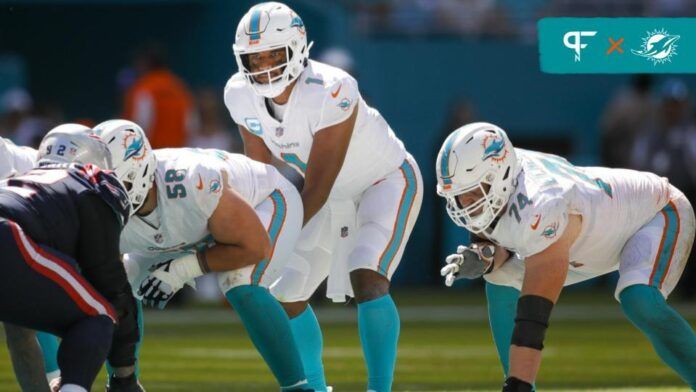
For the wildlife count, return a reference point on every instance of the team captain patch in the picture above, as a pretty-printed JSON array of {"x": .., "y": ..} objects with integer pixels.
[{"x": 253, "y": 125}]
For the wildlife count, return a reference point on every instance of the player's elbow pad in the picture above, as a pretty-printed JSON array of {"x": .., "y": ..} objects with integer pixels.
[{"x": 533, "y": 313}]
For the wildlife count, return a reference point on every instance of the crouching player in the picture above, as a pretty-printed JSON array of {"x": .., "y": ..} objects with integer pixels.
[
  {"x": 55, "y": 221},
  {"x": 566, "y": 224},
  {"x": 200, "y": 211}
]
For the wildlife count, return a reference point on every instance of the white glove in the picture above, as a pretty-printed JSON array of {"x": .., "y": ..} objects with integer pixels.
[
  {"x": 468, "y": 263},
  {"x": 167, "y": 278}
]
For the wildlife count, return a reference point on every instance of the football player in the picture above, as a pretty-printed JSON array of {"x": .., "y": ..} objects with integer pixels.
[
  {"x": 15, "y": 159},
  {"x": 22, "y": 342},
  {"x": 362, "y": 190},
  {"x": 63, "y": 273},
  {"x": 565, "y": 224},
  {"x": 199, "y": 211}
]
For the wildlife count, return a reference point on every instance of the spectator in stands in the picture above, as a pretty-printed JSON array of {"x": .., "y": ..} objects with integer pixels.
[
  {"x": 15, "y": 105},
  {"x": 211, "y": 129},
  {"x": 629, "y": 113},
  {"x": 159, "y": 101},
  {"x": 485, "y": 18},
  {"x": 338, "y": 57},
  {"x": 24, "y": 122}
]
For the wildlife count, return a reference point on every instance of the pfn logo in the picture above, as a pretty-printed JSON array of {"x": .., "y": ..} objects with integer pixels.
[{"x": 572, "y": 40}]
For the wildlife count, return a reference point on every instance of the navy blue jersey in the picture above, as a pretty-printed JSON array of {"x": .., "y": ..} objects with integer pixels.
[
  {"x": 44, "y": 202},
  {"x": 80, "y": 212}
]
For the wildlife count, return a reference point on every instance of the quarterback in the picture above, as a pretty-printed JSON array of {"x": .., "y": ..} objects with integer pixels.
[
  {"x": 362, "y": 190},
  {"x": 564, "y": 224}
]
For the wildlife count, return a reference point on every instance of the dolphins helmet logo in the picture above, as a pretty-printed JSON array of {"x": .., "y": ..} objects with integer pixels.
[
  {"x": 494, "y": 148},
  {"x": 658, "y": 46},
  {"x": 135, "y": 147},
  {"x": 297, "y": 22}
]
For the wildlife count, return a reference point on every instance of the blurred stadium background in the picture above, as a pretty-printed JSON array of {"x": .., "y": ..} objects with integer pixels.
[{"x": 429, "y": 66}]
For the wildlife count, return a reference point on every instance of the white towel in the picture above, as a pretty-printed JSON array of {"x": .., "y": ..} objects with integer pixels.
[{"x": 343, "y": 215}]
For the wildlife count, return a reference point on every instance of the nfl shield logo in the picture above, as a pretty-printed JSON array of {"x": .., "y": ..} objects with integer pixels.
[
  {"x": 158, "y": 238},
  {"x": 279, "y": 131},
  {"x": 344, "y": 231}
]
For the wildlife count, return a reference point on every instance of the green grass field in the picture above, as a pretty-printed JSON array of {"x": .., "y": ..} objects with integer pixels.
[{"x": 443, "y": 348}]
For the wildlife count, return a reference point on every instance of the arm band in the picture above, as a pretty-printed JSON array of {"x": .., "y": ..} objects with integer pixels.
[{"x": 532, "y": 319}]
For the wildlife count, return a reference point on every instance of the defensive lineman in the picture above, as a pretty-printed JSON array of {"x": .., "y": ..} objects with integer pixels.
[
  {"x": 566, "y": 224},
  {"x": 200, "y": 211},
  {"x": 57, "y": 220},
  {"x": 22, "y": 342},
  {"x": 362, "y": 191}
]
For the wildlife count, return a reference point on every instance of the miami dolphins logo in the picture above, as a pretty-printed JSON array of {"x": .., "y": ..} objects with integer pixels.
[
  {"x": 494, "y": 148},
  {"x": 658, "y": 46},
  {"x": 135, "y": 147},
  {"x": 345, "y": 104},
  {"x": 297, "y": 22},
  {"x": 550, "y": 231},
  {"x": 215, "y": 186}
]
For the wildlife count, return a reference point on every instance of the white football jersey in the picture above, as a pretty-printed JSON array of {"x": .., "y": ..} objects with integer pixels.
[
  {"x": 323, "y": 96},
  {"x": 15, "y": 160},
  {"x": 613, "y": 203},
  {"x": 189, "y": 185}
]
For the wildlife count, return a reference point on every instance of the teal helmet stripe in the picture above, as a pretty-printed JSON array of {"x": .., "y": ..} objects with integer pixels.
[
  {"x": 255, "y": 25},
  {"x": 444, "y": 160}
]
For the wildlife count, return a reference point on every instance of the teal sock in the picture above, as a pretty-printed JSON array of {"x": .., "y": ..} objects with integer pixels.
[
  {"x": 307, "y": 333},
  {"x": 672, "y": 337},
  {"x": 502, "y": 308},
  {"x": 268, "y": 327},
  {"x": 141, "y": 328},
  {"x": 49, "y": 348},
  {"x": 379, "y": 325}
]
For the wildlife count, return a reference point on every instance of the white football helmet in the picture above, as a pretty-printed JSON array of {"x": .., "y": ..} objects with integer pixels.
[
  {"x": 77, "y": 143},
  {"x": 269, "y": 26},
  {"x": 132, "y": 157},
  {"x": 477, "y": 156}
]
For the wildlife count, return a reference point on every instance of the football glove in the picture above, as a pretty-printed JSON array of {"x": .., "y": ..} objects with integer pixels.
[
  {"x": 167, "y": 278},
  {"x": 468, "y": 263}
]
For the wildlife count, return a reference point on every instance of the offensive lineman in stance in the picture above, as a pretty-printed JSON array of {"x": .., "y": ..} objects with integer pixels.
[
  {"x": 565, "y": 224},
  {"x": 200, "y": 211},
  {"x": 362, "y": 190}
]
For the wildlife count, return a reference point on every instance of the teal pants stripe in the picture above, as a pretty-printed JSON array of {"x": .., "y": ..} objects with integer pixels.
[
  {"x": 665, "y": 253},
  {"x": 407, "y": 199},
  {"x": 274, "y": 229}
]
